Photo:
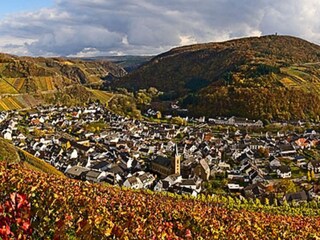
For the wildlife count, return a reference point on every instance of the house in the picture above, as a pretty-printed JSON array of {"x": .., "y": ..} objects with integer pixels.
[
  {"x": 234, "y": 187},
  {"x": 286, "y": 149},
  {"x": 171, "y": 180},
  {"x": 238, "y": 122},
  {"x": 101, "y": 166},
  {"x": 296, "y": 197},
  {"x": 74, "y": 154},
  {"x": 95, "y": 176},
  {"x": 257, "y": 190},
  {"x": 191, "y": 184},
  {"x": 77, "y": 172},
  {"x": 314, "y": 192},
  {"x": 187, "y": 167},
  {"x": 8, "y": 135},
  {"x": 147, "y": 179},
  {"x": 21, "y": 136},
  {"x": 284, "y": 172},
  {"x": 309, "y": 132},
  {"x": 275, "y": 164},
  {"x": 126, "y": 160},
  {"x": 114, "y": 175},
  {"x": 133, "y": 182},
  {"x": 314, "y": 165},
  {"x": 202, "y": 170},
  {"x": 302, "y": 143},
  {"x": 301, "y": 162}
]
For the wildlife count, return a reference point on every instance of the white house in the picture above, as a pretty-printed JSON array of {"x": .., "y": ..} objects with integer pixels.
[
  {"x": 74, "y": 154},
  {"x": 7, "y": 136},
  {"x": 133, "y": 182},
  {"x": 284, "y": 172}
]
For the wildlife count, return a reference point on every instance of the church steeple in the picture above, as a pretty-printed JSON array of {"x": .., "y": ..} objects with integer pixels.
[{"x": 176, "y": 161}]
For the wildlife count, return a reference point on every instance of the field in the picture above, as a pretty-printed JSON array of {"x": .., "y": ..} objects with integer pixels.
[
  {"x": 69, "y": 209},
  {"x": 10, "y": 103},
  {"x": 38, "y": 164},
  {"x": 6, "y": 88},
  {"x": 300, "y": 77},
  {"x": 103, "y": 96},
  {"x": 44, "y": 83},
  {"x": 17, "y": 83},
  {"x": 18, "y": 102}
]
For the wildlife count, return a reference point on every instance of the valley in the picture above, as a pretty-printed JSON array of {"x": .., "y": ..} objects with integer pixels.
[{"x": 230, "y": 129}]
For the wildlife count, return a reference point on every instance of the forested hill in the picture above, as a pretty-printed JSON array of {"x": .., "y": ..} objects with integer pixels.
[{"x": 271, "y": 77}]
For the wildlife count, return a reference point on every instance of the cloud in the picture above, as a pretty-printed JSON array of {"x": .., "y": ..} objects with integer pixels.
[{"x": 104, "y": 27}]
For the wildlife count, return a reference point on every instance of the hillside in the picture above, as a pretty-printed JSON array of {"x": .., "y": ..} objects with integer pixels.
[
  {"x": 128, "y": 62},
  {"x": 9, "y": 154},
  {"x": 69, "y": 209},
  {"x": 32, "y": 75},
  {"x": 271, "y": 77},
  {"x": 26, "y": 82}
]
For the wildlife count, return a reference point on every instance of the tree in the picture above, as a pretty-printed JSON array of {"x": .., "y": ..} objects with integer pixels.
[
  {"x": 309, "y": 176},
  {"x": 312, "y": 175},
  {"x": 286, "y": 186},
  {"x": 153, "y": 91},
  {"x": 263, "y": 152},
  {"x": 159, "y": 115},
  {"x": 178, "y": 121}
]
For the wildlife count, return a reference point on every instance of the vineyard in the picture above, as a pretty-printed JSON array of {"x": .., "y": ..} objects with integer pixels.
[
  {"x": 44, "y": 83},
  {"x": 10, "y": 103},
  {"x": 68, "y": 209},
  {"x": 37, "y": 164},
  {"x": 17, "y": 83},
  {"x": 102, "y": 96},
  {"x": 5, "y": 87},
  {"x": 18, "y": 102}
]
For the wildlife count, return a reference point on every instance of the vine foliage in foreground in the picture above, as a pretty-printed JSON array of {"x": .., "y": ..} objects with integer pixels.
[{"x": 67, "y": 209}]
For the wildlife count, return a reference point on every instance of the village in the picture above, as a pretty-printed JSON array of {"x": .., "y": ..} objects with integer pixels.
[{"x": 91, "y": 143}]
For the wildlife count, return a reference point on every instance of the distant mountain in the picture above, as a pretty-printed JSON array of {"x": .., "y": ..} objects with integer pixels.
[
  {"x": 271, "y": 77},
  {"x": 128, "y": 62}
]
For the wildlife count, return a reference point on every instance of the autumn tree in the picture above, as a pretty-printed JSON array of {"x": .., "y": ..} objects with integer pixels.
[
  {"x": 178, "y": 121},
  {"x": 285, "y": 186}
]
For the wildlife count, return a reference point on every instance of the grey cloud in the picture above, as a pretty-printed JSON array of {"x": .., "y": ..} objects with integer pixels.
[{"x": 99, "y": 27}]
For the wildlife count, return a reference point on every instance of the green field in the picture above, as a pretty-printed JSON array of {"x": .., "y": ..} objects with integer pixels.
[{"x": 101, "y": 95}]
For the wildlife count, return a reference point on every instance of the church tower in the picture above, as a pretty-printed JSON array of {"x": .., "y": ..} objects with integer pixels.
[{"x": 176, "y": 161}]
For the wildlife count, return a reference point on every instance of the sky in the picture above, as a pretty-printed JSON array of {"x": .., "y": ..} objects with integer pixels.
[
  {"x": 14, "y": 6},
  {"x": 86, "y": 28}
]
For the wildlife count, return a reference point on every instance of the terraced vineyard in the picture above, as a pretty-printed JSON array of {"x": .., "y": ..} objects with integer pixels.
[
  {"x": 102, "y": 95},
  {"x": 69, "y": 209},
  {"x": 44, "y": 83},
  {"x": 18, "y": 102},
  {"x": 26, "y": 82},
  {"x": 35, "y": 163},
  {"x": 6, "y": 88},
  {"x": 305, "y": 77},
  {"x": 17, "y": 83}
]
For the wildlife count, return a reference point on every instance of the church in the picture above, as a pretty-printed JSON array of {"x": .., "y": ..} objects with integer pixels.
[{"x": 166, "y": 166}]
